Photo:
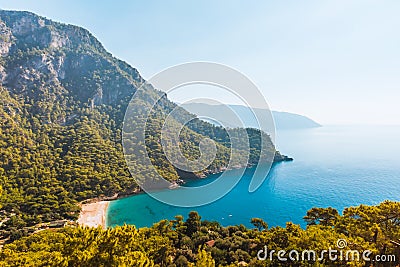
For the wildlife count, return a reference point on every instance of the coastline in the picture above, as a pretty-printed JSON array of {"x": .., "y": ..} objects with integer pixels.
[
  {"x": 94, "y": 211},
  {"x": 93, "y": 214}
]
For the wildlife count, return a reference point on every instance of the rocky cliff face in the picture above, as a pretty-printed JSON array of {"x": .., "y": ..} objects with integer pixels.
[
  {"x": 5, "y": 39},
  {"x": 31, "y": 30},
  {"x": 58, "y": 61}
]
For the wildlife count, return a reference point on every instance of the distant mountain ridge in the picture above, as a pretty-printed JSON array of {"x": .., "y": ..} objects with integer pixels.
[
  {"x": 283, "y": 120},
  {"x": 288, "y": 120}
]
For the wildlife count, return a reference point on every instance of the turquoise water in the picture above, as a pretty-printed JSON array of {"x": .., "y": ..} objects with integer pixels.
[{"x": 333, "y": 166}]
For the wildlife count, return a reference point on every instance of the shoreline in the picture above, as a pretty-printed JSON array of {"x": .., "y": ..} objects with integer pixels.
[
  {"x": 94, "y": 214},
  {"x": 94, "y": 211}
]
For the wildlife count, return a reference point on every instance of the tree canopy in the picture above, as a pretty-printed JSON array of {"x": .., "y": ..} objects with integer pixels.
[{"x": 193, "y": 242}]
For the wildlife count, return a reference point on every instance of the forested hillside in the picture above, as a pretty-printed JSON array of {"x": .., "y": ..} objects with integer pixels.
[{"x": 63, "y": 100}]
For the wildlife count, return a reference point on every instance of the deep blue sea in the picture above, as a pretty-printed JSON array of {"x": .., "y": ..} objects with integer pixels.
[{"x": 334, "y": 166}]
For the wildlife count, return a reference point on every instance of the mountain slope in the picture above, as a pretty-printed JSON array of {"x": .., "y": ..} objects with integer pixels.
[
  {"x": 63, "y": 100},
  {"x": 286, "y": 120},
  {"x": 283, "y": 120}
]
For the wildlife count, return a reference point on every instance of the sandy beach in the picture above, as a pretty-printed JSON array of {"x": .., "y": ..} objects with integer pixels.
[{"x": 93, "y": 214}]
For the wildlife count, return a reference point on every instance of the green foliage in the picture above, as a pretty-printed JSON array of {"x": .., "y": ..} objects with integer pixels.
[
  {"x": 323, "y": 216},
  {"x": 168, "y": 243},
  {"x": 46, "y": 169},
  {"x": 193, "y": 223},
  {"x": 204, "y": 259},
  {"x": 259, "y": 224}
]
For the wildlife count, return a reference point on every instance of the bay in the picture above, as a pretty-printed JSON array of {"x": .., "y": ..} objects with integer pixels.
[{"x": 334, "y": 166}]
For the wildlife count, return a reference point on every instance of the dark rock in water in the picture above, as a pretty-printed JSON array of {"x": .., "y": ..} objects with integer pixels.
[{"x": 280, "y": 158}]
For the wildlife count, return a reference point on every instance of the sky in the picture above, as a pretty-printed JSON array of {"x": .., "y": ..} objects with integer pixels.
[{"x": 336, "y": 61}]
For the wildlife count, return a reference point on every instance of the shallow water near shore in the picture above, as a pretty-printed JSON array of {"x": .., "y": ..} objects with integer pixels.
[{"x": 337, "y": 166}]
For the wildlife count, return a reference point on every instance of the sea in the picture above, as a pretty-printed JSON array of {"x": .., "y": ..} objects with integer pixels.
[{"x": 333, "y": 166}]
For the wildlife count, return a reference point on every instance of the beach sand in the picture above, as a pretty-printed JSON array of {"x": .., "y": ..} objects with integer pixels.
[{"x": 93, "y": 214}]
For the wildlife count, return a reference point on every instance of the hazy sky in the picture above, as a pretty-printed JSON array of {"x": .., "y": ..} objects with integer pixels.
[{"x": 337, "y": 62}]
